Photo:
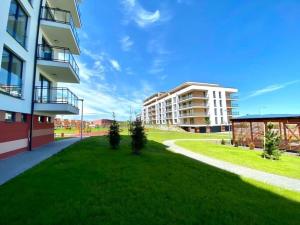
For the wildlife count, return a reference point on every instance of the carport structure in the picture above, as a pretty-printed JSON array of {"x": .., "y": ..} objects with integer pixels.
[{"x": 251, "y": 129}]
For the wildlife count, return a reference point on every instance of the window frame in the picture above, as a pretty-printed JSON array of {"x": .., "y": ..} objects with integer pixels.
[
  {"x": 16, "y": 17},
  {"x": 13, "y": 117},
  {"x": 12, "y": 55}
]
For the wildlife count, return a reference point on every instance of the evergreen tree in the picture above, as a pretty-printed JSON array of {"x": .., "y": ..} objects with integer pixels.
[
  {"x": 272, "y": 141},
  {"x": 114, "y": 134},
  {"x": 138, "y": 136}
]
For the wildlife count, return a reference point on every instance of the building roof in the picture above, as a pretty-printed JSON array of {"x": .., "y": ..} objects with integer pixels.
[{"x": 267, "y": 117}]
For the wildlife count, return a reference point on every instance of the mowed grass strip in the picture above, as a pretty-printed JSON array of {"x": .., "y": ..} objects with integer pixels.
[
  {"x": 287, "y": 165},
  {"x": 88, "y": 183}
]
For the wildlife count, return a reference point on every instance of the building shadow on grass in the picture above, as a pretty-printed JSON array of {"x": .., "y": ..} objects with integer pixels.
[{"x": 98, "y": 185}]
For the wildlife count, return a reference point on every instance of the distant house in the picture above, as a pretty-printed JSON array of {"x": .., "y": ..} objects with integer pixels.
[{"x": 102, "y": 122}]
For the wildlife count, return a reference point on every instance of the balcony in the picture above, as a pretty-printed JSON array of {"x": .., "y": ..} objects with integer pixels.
[
  {"x": 70, "y": 5},
  {"x": 58, "y": 63},
  {"x": 55, "y": 101},
  {"x": 190, "y": 97},
  {"x": 59, "y": 27},
  {"x": 187, "y": 115},
  {"x": 233, "y": 105},
  {"x": 232, "y": 97},
  {"x": 191, "y": 106}
]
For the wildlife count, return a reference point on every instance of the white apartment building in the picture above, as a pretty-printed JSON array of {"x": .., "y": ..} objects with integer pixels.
[
  {"x": 38, "y": 39},
  {"x": 197, "y": 107}
]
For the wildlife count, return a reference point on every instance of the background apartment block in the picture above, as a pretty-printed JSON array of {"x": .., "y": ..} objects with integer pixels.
[
  {"x": 197, "y": 107},
  {"x": 37, "y": 41}
]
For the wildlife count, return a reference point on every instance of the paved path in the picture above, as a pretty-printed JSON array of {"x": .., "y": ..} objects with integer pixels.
[
  {"x": 15, "y": 165},
  {"x": 272, "y": 179}
]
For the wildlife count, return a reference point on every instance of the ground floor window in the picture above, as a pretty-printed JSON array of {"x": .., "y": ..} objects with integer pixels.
[{"x": 10, "y": 116}]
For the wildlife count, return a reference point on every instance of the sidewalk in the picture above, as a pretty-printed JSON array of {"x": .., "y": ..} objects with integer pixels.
[
  {"x": 15, "y": 165},
  {"x": 272, "y": 179}
]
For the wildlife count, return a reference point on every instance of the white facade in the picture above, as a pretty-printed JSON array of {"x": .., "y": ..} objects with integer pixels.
[
  {"x": 58, "y": 24},
  {"x": 190, "y": 101}
]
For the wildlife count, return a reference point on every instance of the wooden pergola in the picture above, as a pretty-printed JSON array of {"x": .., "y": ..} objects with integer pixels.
[{"x": 251, "y": 129}]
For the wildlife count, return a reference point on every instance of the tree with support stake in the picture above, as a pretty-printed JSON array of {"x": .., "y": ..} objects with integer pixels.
[
  {"x": 271, "y": 145},
  {"x": 114, "y": 134}
]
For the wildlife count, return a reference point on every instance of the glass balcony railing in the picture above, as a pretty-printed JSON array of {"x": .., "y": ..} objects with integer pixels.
[
  {"x": 55, "y": 95},
  {"x": 57, "y": 54},
  {"x": 232, "y": 96},
  {"x": 193, "y": 105},
  {"x": 59, "y": 16},
  {"x": 193, "y": 115},
  {"x": 191, "y": 96}
]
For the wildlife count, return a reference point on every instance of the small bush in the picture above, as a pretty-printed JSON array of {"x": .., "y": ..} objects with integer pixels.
[
  {"x": 114, "y": 134},
  {"x": 251, "y": 146},
  {"x": 272, "y": 141},
  {"x": 223, "y": 142},
  {"x": 138, "y": 136},
  {"x": 236, "y": 144}
]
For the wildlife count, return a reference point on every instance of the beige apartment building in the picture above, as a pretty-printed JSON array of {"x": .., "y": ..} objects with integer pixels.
[{"x": 193, "y": 106}]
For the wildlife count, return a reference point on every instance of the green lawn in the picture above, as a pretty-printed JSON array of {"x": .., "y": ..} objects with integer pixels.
[
  {"x": 287, "y": 165},
  {"x": 88, "y": 183}
]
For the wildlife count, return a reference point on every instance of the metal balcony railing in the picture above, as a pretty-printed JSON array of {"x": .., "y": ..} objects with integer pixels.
[
  {"x": 55, "y": 95},
  {"x": 59, "y": 16},
  {"x": 192, "y": 96},
  {"x": 192, "y": 115},
  {"x": 57, "y": 54},
  {"x": 193, "y": 105},
  {"x": 232, "y": 96}
]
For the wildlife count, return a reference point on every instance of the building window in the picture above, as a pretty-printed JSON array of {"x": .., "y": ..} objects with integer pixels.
[
  {"x": 222, "y": 120},
  {"x": 221, "y": 112},
  {"x": 214, "y": 93},
  {"x": 215, "y": 103},
  {"x": 216, "y": 120},
  {"x": 10, "y": 116},
  {"x": 41, "y": 119},
  {"x": 221, "y": 105},
  {"x": 216, "y": 112},
  {"x": 220, "y": 94},
  {"x": 23, "y": 118},
  {"x": 17, "y": 22},
  {"x": 11, "y": 74},
  {"x": 48, "y": 119}
]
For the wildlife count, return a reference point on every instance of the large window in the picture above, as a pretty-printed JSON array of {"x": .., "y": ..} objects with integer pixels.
[
  {"x": 17, "y": 22},
  {"x": 11, "y": 74}
]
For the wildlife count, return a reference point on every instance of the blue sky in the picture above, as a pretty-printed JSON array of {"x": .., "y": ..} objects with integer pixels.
[{"x": 133, "y": 48}]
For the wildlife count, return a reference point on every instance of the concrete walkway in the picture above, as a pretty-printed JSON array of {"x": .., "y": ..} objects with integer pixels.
[
  {"x": 272, "y": 179},
  {"x": 15, "y": 165}
]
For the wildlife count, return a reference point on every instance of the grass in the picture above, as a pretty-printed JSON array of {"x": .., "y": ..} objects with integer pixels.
[
  {"x": 88, "y": 183},
  {"x": 287, "y": 165}
]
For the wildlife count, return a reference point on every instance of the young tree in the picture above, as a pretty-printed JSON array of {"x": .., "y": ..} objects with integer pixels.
[
  {"x": 272, "y": 141},
  {"x": 138, "y": 136},
  {"x": 114, "y": 134}
]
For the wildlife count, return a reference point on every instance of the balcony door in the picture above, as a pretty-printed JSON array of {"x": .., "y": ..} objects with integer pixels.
[
  {"x": 46, "y": 50},
  {"x": 44, "y": 93}
]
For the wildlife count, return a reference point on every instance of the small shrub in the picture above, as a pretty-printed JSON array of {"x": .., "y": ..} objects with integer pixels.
[
  {"x": 138, "y": 136},
  {"x": 236, "y": 144},
  {"x": 251, "y": 146},
  {"x": 223, "y": 142},
  {"x": 272, "y": 141},
  {"x": 114, "y": 134}
]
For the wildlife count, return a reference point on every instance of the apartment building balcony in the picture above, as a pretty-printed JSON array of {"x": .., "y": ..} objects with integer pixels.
[
  {"x": 69, "y": 5},
  {"x": 193, "y": 106},
  {"x": 232, "y": 97},
  {"x": 58, "y": 63},
  {"x": 233, "y": 105},
  {"x": 233, "y": 113},
  {"x": 191, "y": 97},
  {"x": 58, "y": 26},
  {"x": 188, "y": 115},
  {"x": 55, "y": 101}
]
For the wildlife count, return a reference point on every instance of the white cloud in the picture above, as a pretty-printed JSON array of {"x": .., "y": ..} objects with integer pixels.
[
  {"x": 115, "y": 64},
  {"x": 135, "y": 12},
  {"x": 271, "y": 88},
  {"x": 126, "y": 43}
]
